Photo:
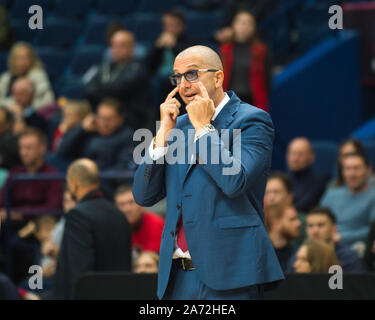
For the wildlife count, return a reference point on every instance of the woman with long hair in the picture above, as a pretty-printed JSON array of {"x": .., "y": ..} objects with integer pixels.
[
  {"x": 24, "y": 62},
  {"x": 315, "y": 256},
  {"x": 246, "y": 62}
]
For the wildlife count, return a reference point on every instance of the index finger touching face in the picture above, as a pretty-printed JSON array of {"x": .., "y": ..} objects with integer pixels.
[
  {"x": 203, "y": 90},
  {"x": 172, "y": 94}
]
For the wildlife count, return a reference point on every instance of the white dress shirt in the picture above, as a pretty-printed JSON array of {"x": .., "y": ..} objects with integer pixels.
[{"x": 158, "y": 152}]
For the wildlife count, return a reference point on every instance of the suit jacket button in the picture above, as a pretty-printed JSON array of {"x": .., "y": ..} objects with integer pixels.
[
  {"x": 178, "y": 207},
  {"x": 172, "y": 233}
]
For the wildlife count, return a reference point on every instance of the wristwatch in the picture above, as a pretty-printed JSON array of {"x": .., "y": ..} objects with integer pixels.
[
  {"x": 206, "y": 129},
  {"x": 209, "y": 127}
]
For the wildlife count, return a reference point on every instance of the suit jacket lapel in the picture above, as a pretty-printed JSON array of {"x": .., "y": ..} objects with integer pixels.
[{"x": 185, "y": 167}]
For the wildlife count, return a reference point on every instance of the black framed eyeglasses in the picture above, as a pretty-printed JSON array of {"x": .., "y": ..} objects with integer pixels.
[{"x": 191, "y": 76}]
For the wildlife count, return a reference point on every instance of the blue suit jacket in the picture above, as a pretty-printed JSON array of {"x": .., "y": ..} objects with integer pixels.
[{"x": 222, "y": 214}]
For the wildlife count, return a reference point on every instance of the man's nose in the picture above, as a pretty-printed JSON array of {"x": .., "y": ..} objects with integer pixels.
[{"x": 184, "y": 82}]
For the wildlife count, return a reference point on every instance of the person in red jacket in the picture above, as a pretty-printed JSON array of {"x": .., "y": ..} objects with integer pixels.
[
  {"x": 246, "y": 62},
  {"x": 147, "y": 227}
]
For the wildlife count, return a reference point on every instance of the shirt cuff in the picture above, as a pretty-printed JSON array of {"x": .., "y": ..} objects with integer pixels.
[
  {"x": 200, "y": 133},
  {"x": 157, "y": 152}
]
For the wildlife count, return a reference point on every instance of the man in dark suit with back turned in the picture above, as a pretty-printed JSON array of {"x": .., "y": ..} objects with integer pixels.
[
  {"x": 97, "y": 236},
  {"x": 214, "y": 244}
]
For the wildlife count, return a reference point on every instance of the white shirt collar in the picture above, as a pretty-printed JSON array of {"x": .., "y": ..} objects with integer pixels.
[{"x": 220, "y": 106}]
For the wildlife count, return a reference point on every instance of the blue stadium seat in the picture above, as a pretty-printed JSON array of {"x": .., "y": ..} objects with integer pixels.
[
  {"x": 146, "y": 27},
  {"x": 59, "y": 33},
  {"x": 85, "y": 57},
  {"x": 6, "y": 3},
  {"x": 370, "y": 149},
  {"x": 277, "y": 36},
  {"x": 20, "y": 8},
  {"x": 97, "y": 29},
  {"x": 21, "y": 30},
  {"x": 157, "y": 6},
  {"x": 202, "y": 25},
  {"x": 366, "y": 131},
  {"x": 55, "y": 61},
  {"x": 203, "y": 4},
  {"x": 115, "y": 7},
  {"x": 73, "y": 90},
  {"x": 312, "y": 25},
  {"x": 73, "y": 8},
  {"x": 325, "y": 157},
  {"x": 57, "y": 162}
]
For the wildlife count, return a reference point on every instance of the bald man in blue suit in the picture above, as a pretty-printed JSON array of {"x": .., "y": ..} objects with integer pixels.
[{"x": 214, "y": 243}]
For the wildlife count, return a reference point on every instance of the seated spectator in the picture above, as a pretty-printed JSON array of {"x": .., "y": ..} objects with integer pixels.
[
  {"x": 147, "y": 227},
  {"x": 278, "y": 193},
  {"x": 321, "y": 225},
  {"x": 348, "y": 146},
  {"x": 283, "y": 226},
  {"x": 73, "y": 113},
  {"x": 307, "y": 186},
  {"x": 103, "y": 137},
  {"x": 50, "y": 248},
  {"x": 33, "y": 196},
  {"x": 39, "y": 243},
  {"x": 122, "y": 78},
  {"x": 9, "y": 157},
  {"x": 23, "y": 62},
  {"x": 22, "y": 109},
  {"x": 97, "y": 236},
  {"x": 247, "y": 63},
  {"x": 170, "y": 42},
  {"x": 26, "y": 247},
  {"x": 260, "y": 9},
  {"x": 147, "y": 262},
  {"x": 354, "y": 203},
  {"x": 278, "y": 190},
  {"x": 315, "y": 256}
]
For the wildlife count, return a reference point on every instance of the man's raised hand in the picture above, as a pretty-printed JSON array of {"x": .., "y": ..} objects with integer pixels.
[
  {"x": 169, "y": 111},
  {"x": 201, "y": 109}
]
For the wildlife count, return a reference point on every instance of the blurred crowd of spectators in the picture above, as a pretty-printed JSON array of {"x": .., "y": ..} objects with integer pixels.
[{"x": 313, "y": 223}]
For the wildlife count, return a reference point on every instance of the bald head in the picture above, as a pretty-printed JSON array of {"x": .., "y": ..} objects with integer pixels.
[
  {"x": 84, "y": 172},
  {"x": 209, "y": 57},
  {"x": 300, "y": 154},
  {"x": 23, "y": 92},
  {"x": 25, "y": 83},
  {"x": 195, "y": 58}
]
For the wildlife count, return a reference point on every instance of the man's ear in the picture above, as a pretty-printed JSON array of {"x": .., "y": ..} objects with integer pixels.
[
  {"x": 219, "y": 79},
  {"x": 73, "y": 186}
]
